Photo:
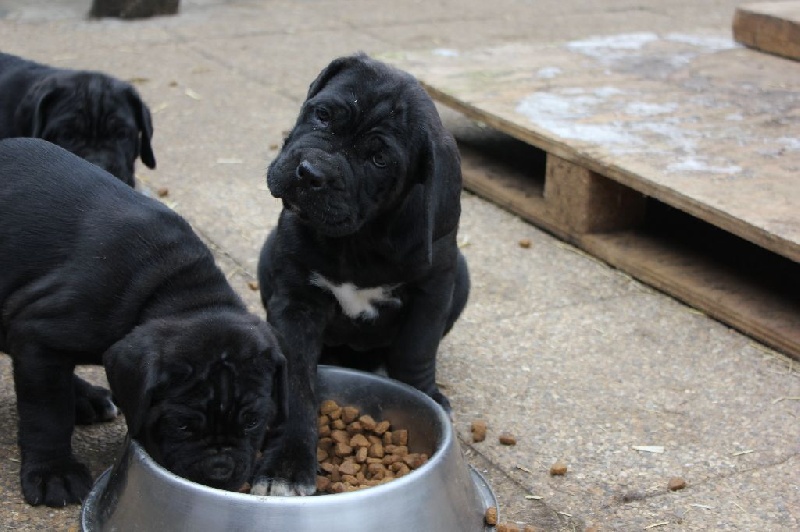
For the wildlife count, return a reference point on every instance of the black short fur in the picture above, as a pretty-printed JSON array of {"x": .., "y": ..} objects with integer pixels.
[
  {"x": 91, "y": 114},
  {"x": 92, "y": 272},
  {"x": 371, "y": 183}
]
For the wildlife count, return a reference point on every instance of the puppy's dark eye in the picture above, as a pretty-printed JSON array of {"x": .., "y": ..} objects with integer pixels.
[
  {"x": 379, "y": 160},
  {"x": 323, "y": 115},
  {"x": 250, "y": 420}
]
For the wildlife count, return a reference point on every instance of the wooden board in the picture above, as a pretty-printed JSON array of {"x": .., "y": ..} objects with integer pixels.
[
  {"x": 695, "y": 121},
  {"x": 718, "y": 289},
  {"x": 764, "y": 304},
  {"x": 772, "y": 27},
  {"x": 624, "y": 126}
]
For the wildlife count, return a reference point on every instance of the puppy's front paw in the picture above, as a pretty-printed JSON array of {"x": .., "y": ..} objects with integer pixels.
[
  {"x": 281, "y": 488},
  {"x": 54, "y": 483},
  {"x": 287, "y": 472}
]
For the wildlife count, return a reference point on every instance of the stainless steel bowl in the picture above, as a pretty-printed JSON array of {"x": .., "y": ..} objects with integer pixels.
[{"x": 444, "y": 495}]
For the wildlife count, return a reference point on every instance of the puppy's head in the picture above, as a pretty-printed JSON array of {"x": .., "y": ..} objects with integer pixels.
[
  {"x": 200, "y": 395},
  {"x": 95, "y": 116},
  {"x": 368, "y": 142}
]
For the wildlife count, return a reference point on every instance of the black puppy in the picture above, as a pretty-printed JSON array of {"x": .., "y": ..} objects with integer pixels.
[
  {"x": 91, "y": 114},
  {"x": 90, "y": 272},
  {"x": 363, "y": 267}
]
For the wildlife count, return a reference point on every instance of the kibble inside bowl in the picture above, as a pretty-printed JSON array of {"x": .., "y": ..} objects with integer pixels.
[
  {"x": 356, "y": 452},
  {"x": 442, "y": 494}
]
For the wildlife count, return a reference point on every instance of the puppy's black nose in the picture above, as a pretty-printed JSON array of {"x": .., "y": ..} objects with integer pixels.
[
  {"x": 219, "y": 468},
  {"x": 310, "y": 175}
]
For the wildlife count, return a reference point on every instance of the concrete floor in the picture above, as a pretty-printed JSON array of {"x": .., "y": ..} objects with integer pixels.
[{"x": 579, "y": 361}]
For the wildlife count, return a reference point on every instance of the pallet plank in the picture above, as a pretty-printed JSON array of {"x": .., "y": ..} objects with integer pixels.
[
  {"x": 772, "y": 27},
  {"x": 689, "y": 123},
  {"x": 771, "y": 316},
  {"x": 702, "y": 280},
  {"x": 695, "y": 121}
]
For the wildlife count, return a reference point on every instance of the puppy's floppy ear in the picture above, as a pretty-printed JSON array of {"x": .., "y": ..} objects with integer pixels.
[
  {"x": 132, "y": 368},
  {"x": 334, "y": 68},
  {"x": 440, "y": 177},
  {"x": 144, "y": 122},
  {"x": 31, "y": 115}
]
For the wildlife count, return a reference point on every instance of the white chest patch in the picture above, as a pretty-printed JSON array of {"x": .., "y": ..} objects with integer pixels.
[{"x": 357, "y": 302}]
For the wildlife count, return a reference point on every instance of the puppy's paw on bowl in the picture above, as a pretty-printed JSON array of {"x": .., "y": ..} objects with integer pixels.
[
  {"x": 286, "y": 469},
  {"x": 281, "y": 488}
]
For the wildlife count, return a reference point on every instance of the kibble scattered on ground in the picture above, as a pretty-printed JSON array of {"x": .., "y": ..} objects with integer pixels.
[
  {"x": 478, "y": 429},
  {"x": 506, "y": 438},
  {"x": 676, "y": 483},
  {"x": 558, "y": 469}
]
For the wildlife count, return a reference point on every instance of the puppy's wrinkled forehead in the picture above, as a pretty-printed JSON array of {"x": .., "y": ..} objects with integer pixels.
[
  {"x": 365, "y": 98},
  {"x": 94, "y": 107},
  {"x": 227, "y": 387},
  {"x": 224, "y": 376}
]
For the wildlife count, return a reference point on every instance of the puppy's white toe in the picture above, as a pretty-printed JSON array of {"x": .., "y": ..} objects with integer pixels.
[
  {"x": 260, "y": 488},
  {"x": 280, "y": 488}
]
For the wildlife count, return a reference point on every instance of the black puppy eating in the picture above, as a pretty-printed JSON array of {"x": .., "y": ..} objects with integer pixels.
[
  {"x": 93, "y": 272},
  {"x": 363, "y": 267},
  {"x": 91, "y": 114}
]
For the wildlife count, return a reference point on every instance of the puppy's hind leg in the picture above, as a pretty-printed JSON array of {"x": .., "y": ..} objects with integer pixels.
[
  {"x": 412, "y": 356},
  {"x": 93, "y": 404},
  {"x": 460, "y": 292}
]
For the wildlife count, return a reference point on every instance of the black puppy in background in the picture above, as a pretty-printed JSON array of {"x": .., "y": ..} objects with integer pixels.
[
  {"x": 363, "y": 266},
  {"x": 93, "y": 272},
  {"x": 91, "y": 114}
]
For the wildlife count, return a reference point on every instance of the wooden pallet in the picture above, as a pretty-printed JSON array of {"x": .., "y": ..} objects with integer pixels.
[
  {"x": 772, "y": 27},
  {"x": 674, "y": 158}
]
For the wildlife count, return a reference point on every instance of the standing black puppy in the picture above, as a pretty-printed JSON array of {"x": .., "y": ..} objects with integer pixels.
[
  {"x": 363, "y": 266},
  {"x": 92, "y": 271},
  {"x": 91, "y": 114}
]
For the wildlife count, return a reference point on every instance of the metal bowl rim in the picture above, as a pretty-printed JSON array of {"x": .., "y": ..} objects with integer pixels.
[
  {"x": 445, "y": 441},
  {"x": 483, "y": 489}
]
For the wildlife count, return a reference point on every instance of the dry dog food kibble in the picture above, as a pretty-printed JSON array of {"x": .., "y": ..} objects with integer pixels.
[
  {"x": 478, "y": 429},
  {"x": 490, "y": 516},
  {"x": 676, "y": 483},
  {"x": 506, "y": 438},
  {"x": 355, "y": 451},
  {"x": 558, "y": 469}
]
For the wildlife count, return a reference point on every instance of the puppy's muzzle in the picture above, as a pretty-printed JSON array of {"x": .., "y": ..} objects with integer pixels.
[
  {"x": 311, "y": 176},
  {"x": 218, "y": 468}
]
